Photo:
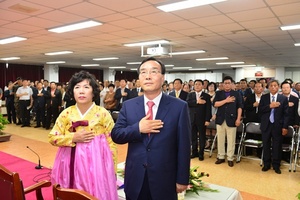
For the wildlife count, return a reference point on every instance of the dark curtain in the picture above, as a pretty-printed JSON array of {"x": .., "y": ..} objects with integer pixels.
[
  {"x": 12, "y": 71},
  {"x": 65, "y": 73},
  {"x": 126, "y": 75}
]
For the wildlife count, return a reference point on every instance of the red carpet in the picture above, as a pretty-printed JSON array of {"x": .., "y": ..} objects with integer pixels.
[{"x": 28, "y": 173}]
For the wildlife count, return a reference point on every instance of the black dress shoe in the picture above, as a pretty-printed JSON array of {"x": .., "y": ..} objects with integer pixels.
[
  {"x": 219, "y": 161},
  {"x": 194, "y": 155},
  {"x": 265, "y": 168},
  {"x": 23, "y": 126},
  {"x": 37, "y": 126},
  {"x": 230, "y": 163},
  {"x": 201, "y": 157},
  {"x": 277, "y": 171}
]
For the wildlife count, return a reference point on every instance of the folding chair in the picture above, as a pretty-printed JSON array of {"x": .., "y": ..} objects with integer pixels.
[
  {"x": 115, "y": 115},
  {"x": 240, "y": 131},
  {"x": 253, "y": 128},
  {"x": 297, "y": 143},
  {"x": 289, "y": 147},
  {"x": 67, "y": 194}
]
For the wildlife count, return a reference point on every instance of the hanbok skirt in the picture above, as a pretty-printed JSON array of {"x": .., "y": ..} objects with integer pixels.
[{"x": 93, "y": 168}]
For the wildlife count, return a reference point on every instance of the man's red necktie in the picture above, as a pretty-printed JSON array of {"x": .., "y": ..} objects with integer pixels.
[{"x": 150, "y": 104}]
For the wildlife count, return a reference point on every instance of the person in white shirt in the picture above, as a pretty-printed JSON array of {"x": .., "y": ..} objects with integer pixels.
[{"x": 25, "y": 100}]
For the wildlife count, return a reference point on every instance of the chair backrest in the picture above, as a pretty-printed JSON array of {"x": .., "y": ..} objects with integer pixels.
[
  {"x": 11, "y": 187},
  {"x": 115, "y": 115},
  {"x": 253, "y": 127},
  {"x": 212, "y": 125},
  {"x": 73, "y": 194},
  {"x": 241, "y": 128},
  {"x": 291, "y": 132}
]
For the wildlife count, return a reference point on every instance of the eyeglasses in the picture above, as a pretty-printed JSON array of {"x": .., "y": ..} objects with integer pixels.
[{"x": 152, "y": 72}]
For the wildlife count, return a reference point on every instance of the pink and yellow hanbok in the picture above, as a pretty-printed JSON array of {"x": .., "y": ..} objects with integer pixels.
[{"x": 85, "y": 166}]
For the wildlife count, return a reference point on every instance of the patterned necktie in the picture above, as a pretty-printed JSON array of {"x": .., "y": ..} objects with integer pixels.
[
  {"x": 150, "y": 104},
  {"x": 272, "y": 111}
]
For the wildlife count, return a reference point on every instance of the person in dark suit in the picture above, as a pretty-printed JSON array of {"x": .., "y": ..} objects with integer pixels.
[
  {"x": 39, "y": 104},
  {"x": 158, "y": 157},
  {"x": 251, "y": 104},
  {"x": 229, "y": 104},
  {"x": 178, "y": 92},
  {"x": 9, "y": 103},
  {"x": 137, "y": 91},
  {"x": 53, "y": 104},
  {"x": 250, "y": 89},
  {"x": 122, "y": 94},
  {"x": 274, "y": 111},
  {"x": 200, "y": 115}
]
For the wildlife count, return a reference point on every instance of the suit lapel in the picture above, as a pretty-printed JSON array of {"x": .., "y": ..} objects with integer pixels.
[{"x": 161, "y": 111}]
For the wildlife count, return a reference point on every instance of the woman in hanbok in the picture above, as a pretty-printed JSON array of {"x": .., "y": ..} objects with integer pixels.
[{"x": 86, "y": 158}]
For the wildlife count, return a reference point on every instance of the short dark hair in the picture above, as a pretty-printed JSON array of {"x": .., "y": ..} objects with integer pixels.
[
  {"x": 177, "y": 79},
  {"x": 254, "y": 81},
  {"x": 111, "y": 85},
  {"x": 19, "y": 78},
  {"x": 199, "y": 80},
  {"x": 80, "y": 76},
  {"x": 163, "y": 68},
  {"x": 214, "y": 84},
  {"x": 227, "y": 78},
  {"x": 286, "y": 82},
  {"x": 272, "y": 81},
  {"x": 243, "y": 80},
  {"x": 259, "y": 83}
]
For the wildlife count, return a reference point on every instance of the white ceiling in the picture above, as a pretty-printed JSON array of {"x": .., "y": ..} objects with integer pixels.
[{"x": 213, "y": 28}]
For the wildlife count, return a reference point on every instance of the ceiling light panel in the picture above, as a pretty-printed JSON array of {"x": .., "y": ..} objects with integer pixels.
[
  {"x": 229, "y": 63},
  {"x": 147, "y": 43},
  {"x": 207, "y": 59},
  {"x": 187, "y": 52},
  {"x": 10, "y": 58},
  {"x": 58, "y": 53},
  {"x": 109, "y": 58},
  {"x": 56, "y": 62},
  {"x": 76, "y": 26},
  {"x": 12, "y": 39},
  {"x": 186, "y": 4},
  {"x": 292, "y": 27}
]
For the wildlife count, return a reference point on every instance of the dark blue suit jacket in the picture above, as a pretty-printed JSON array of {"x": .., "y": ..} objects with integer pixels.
[
  {"x": 165, "y": 155},
  {"x": 281, "y": 114},
  {"x": 183, "y": 95}
]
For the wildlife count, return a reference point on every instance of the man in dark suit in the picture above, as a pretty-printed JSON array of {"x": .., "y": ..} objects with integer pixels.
[
  {"x": 137, "y": 91},
  {"x": 274, "y": 111},
  {"x": 200, "y": 115},
  {"x": 229, "y": 104},
  {"x": 122, "y": 94},
  {"x": 39, "y": 103},
  {"x": 178, "y": 92},
  {"x": 158, "y": 156},
  {"x": 251, "y": 104},
  {"x": 53, "y": 104},
  {"x": 293, "y": 102},
  {"x": 9, "y": 103}
]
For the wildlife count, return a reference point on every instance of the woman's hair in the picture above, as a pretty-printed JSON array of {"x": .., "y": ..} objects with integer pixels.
[
  {"x": 214, "y": 84},
  {"x": 111, "y": 85},
  {"x": 80, "y": 76}
]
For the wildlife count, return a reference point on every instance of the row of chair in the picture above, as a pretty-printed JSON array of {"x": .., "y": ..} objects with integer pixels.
[
  {"x": 11, "y": 188},
  {"x": 254, "y": 128}
]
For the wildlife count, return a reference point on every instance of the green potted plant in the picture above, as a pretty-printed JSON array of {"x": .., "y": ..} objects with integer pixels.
[{"x": 3, "y": 136}]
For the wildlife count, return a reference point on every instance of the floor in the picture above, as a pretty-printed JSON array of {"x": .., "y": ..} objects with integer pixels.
[{"x": 245, "y": 176}]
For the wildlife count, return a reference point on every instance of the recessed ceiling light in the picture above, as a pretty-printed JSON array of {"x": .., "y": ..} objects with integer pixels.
[
  {"x": 90, "y": 65},
  {"x": 117, "y": 67},
  {"x": 55, "y": 62},
  {"x": 133, "y": 63},
  {"x": 169, "y": 65},
  {"x": 186, "y": 4},
  {"x": 12, "y": 39},
  {"x": 58, "y": 53},
  {"x": 10, "y": 58},
  {"x": 297, "y": 44},
  {"x": 292, "y": 27},
  {"x": 229, "y": 63},
  {"x": 243, "y": 65},
  {"x": 109, "y": 58},
  {"x": 186, "y": 52},
  {"x": 133, "y": 69},
  {"x": 206, "y": 59},
  {"x": 198, "y": 69},
  {"x": 147, "y": 43},
  {"x": 75, "y": 26}
]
